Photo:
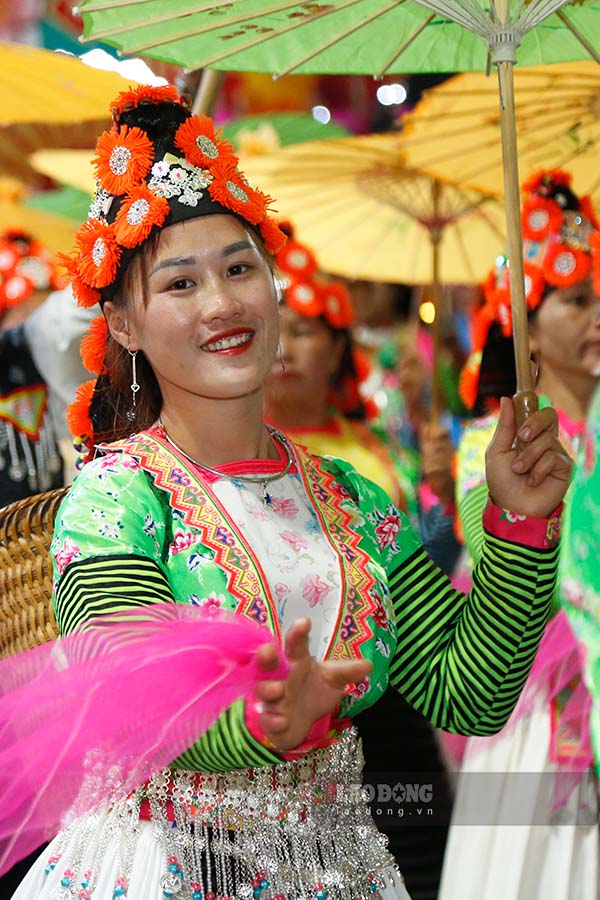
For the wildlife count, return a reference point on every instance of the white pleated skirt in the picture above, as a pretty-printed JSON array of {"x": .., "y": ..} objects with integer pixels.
[
  {"x": 145, "y": 879},
  {"x": 507, "y": 780}
]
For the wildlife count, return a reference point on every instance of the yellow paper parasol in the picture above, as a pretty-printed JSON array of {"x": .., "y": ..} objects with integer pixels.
[
  {"x": 454, "y": 130},
  {"x": 45, "y": 86},
  {"x": 49, "y": 99},
  {"x": 56, "y": 232},
  {"x": 370, "y": 217},
  {"x": 72, "y": 167}
]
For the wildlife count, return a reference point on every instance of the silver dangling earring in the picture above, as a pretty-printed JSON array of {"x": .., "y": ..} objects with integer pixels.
[
  {"x": 280, "y": 354},
  {"x": 131, "y": 413},
  {"x": 535, "y": 362}
]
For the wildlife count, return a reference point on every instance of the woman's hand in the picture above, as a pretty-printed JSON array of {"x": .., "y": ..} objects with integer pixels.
[
  {"x": 311, "y": 689},
  {"x": 411, "y": 381},
  {"x": 533, "y": 480},
  {"x": 437, "y": 454}
]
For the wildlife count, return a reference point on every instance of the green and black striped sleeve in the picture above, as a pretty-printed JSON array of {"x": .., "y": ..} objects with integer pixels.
[
  {"x": 470, "y": 511},
  {"x": 102, "y": 578},
  {"x": 99, "y": 585},
  {"x": 462, "y": 660}
]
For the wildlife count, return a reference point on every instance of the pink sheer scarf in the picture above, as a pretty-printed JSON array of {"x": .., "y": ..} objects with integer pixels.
[{"x": 95, "y": 714}]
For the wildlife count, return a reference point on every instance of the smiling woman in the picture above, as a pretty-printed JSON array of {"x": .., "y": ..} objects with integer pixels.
[{"x": 177, "y": 250}]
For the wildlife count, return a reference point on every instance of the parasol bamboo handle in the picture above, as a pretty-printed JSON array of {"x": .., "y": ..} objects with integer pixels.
[
  {"x": 525, "y": 403},
  {"x": 437, "y": 402},
  {"x": 435, "y": 237},
  {"x": 525, "y": 400},
  {"x": 206, "y": 95}
]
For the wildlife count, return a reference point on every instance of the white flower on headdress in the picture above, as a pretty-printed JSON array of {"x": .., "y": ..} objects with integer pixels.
[
  {"x": 160, "y": 168},
  {"x": 177, "y": 175},
  {"x": 200, "y": 179}
]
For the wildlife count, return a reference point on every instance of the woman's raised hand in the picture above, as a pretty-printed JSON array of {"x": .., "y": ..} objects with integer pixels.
[
  {"x": 531, "y": 481},
  {"x": 437, "y": 456},
  {"x": 311, "y": 690}
]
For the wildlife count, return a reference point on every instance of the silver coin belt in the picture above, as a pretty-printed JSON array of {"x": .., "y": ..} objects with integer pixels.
[{"x": 299, "y": 830}]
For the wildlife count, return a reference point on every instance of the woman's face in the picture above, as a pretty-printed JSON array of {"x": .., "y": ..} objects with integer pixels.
[
  {"x": 210, "y": 325},
  {"x": 565, "y": 333},
  {"x": 311, "y": 354}
]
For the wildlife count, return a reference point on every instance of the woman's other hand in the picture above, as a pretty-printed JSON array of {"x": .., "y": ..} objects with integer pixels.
[
  {"x": 437, "y": 454},
  {"x": 412, "y": 377},
  {"x": 311, "y": 690},
  {"x": 532, "y": 480}
]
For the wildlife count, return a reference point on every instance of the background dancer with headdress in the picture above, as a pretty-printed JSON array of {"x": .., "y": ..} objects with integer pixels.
[
  {"x": 528, "y": 788},
  {"x": 30, "y": 459}
]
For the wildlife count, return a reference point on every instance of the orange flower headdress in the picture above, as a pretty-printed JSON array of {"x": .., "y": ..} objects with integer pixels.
[
  {"x": 309, "y": 293},
  {"x": 157, "y": 166},
  {"x": 560, "y": 232},
  {"x": 312, "y": 295},
  {"x": 26, "y": 266}
]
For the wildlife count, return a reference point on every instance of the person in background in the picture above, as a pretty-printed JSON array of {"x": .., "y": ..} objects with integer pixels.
[
  {"x": 53, "y": 333},
  {"x": 554, "y": 853},
  {"x": 314, "y": 394},
  {"x": 30, "y": 460},
  {"x": 579, "y": 579}
]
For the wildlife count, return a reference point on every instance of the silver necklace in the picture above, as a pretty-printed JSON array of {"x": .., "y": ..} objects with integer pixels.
[{"x": 264, "y": 480}]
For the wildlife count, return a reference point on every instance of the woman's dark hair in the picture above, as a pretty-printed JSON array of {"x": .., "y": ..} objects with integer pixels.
[
  {"x": 112, "y": 413},
  {"x": 344, "y": 384},
  {"x": 497, "y": 373}
]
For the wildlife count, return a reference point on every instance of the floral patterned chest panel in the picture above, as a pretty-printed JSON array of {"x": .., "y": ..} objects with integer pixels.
[
  {"x": 300, "y": 567},
  {"x": 312, "y": 552}
]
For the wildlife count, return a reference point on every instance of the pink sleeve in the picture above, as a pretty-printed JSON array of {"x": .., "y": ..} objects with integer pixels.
[
  {"x": 323, "y": 731},
  {"x": 526, "y": 530}
]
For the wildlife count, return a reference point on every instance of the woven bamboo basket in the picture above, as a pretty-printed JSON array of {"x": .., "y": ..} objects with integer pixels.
[{"x": 26, "y": 614}]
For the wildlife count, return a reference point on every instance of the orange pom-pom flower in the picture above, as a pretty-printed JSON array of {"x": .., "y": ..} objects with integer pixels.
[
  {"x": 305, "y": 298},
  {"x": 78, "y": 413},
  {"x": 540, "y": 217},
  {"x": 140, "y": 211},
  {"x": 274, "y": 238},
  {"x": 534, "y": 285},
  {"x": 564, "y": 266},
  {"x": 540, "y": 181},
  {"x": 84, "y": 294},
  {"x": 123, "y": 159},
  {"x": 99, "y": 253},
  {"x": 230, "y": 189},
  {"x": 93, "y": 345},
  {"x": 144, "y": 93},
  {"x": 337, "y": 305},
  {"x": 202, "y": 145},
  {"x": 297, "y": 260},
  {"x": 595, "y": 245}
]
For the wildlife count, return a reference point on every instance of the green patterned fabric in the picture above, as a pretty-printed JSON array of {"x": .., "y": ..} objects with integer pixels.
[
  {"x": 122, "y": 540},
  {"x": 470, "y": 486}
]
